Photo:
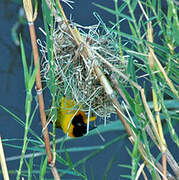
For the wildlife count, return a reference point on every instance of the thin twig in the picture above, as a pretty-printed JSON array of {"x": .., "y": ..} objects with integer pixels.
[
  {"x": 173, "y": 164},
  {"x": 164, "y": 164},
  {"x": 3, "y": 162},
  {"x": 170, "y": 84},
  {"x": 140, "y": 170},
  {"x": 39, "y": 89},
  {"x": 116, "y": 86}
]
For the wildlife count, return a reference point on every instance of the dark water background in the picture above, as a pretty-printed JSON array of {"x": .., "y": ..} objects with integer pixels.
[{"x": 12, "y": 92}]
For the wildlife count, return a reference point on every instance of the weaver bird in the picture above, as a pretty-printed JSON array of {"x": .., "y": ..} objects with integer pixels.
[{"x": 71, "y": 119}]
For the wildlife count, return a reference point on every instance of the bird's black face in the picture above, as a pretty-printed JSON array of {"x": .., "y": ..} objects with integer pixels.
[{"x": 79, "y": 126}]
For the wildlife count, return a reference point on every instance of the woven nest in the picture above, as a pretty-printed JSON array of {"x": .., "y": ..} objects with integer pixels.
[{"x": 74, "y": 75}]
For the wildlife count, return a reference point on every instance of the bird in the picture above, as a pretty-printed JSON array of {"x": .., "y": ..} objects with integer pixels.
[{"x": 71, "y": 118}]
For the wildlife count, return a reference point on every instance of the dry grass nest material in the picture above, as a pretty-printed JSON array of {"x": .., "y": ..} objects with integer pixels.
[{"x": 74, "y": 75}]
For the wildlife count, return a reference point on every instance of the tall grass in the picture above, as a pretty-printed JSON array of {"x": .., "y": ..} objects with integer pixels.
[{"x": 150, "y": 48}]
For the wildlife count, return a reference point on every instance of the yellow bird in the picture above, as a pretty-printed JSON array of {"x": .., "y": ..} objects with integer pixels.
[{"x": 71, "y": 119}]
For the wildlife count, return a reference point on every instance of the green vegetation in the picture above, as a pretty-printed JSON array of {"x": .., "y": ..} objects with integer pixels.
[{"x": 98, "y": 69}]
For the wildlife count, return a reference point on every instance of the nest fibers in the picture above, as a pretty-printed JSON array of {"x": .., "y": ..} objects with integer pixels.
[{"x": 74, "y": 75}]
